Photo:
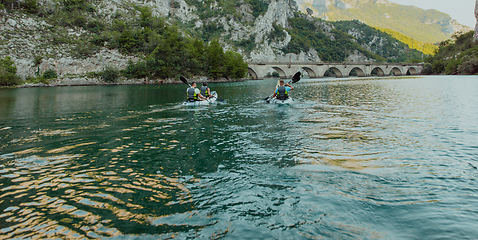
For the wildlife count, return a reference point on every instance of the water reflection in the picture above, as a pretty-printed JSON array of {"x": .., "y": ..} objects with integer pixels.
[{"x": 84, "y": 199}]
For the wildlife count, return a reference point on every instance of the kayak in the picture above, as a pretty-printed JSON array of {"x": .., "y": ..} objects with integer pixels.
[
  {"x": 203, "y": 102},
  {"x": 281, "y": 102}
]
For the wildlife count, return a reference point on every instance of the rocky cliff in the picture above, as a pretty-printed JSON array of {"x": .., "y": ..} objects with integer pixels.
[
  {"x": 476, "y": 27},
  {"x": 36, "y": 45}
]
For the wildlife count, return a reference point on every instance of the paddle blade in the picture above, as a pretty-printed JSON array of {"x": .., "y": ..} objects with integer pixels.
[
  {"x": 184, "y": 80},
  {"x": 296, "y": 77}
]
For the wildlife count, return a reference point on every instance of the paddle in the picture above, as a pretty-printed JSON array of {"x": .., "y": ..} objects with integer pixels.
[
  {"x": 185, "y": 81},
  {"x": 295, "y": 79}
]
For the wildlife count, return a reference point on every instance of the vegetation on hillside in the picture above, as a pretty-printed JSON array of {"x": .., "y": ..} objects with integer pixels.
[
  {"x": 458, "y": 55},
  {"x": 307, "y": 33},
  {"x": 424, "y": 47},
  {"x": 379, "y": 42},
  {"x": 29, "y": 6},
  {"x": 210, "y": 10},
  {"x": 166, "y": 50},
  {"x": 408, "y": 20},
  {"x": 213, "y": 8}
]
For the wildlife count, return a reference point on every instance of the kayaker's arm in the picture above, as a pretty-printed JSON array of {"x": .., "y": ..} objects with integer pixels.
[
  {"x": 275, "y": 93},
  {"x": 291, "y": 88},
  {"x": 201, "y": 97}
]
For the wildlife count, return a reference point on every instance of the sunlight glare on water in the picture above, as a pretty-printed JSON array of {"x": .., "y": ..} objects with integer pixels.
[{"x": 375, "y": 158}]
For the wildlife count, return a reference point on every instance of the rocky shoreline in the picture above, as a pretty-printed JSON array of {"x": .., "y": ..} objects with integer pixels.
[{"x": 84, "y": 81}]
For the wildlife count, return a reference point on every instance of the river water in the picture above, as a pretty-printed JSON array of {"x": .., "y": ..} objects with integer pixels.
[{"x": 366, "y": 158}]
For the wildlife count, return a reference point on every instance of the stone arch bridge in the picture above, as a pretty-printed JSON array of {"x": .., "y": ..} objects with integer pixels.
[{"x": 258, "y": 70}]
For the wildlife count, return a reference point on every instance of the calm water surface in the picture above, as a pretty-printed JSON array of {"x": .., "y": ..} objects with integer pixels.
[{"x": 384, "y": 158}]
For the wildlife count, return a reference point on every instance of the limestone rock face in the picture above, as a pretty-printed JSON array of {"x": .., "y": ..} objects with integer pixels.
[
  {"x": 71, "y": 66},
  {"x": 476, "y": 16},
  {"x": 357, "y": 56}
]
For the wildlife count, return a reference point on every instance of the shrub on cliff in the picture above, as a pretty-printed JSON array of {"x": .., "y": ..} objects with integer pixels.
[
  {"x": 29, "y": 6},
  {"x": 137, "y": 70},
  {"x": 50, "y": 74},
  {"x": 8, "y": 72},
  {"x": 110, "y": 74}
]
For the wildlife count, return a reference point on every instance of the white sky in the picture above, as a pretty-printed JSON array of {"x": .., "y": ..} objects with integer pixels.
[{"x": 461, "y": 10}]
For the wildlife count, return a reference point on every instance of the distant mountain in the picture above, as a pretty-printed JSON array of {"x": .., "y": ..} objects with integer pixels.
[{"x": 423, "y": 25}]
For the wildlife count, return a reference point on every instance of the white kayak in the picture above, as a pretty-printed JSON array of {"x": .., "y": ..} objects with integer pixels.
[
  {"x": 203, "y": 102},
  {"x": 280, "y": 102}
]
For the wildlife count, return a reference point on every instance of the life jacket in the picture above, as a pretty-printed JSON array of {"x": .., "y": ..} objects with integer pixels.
[
  {"x": 192, "y": 96},
  {"x": 204, "y": 91},
  {"x": 282, "y": 93}
]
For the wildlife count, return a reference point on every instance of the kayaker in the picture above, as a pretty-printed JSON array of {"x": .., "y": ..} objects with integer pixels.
[
  {"x": 282, "y": 91},
  {"x": 194, "y": 94},
  {"x": 205, "y": 91}
]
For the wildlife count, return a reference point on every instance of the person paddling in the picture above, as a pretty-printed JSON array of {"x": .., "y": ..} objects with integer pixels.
[
  {"x": 205, "y": 91},
  {"x": 194, "y": 94},
  {"x": 282, "y": 91}
]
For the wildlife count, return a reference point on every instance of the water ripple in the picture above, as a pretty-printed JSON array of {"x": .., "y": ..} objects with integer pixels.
[{"x": 358, "y": 159}]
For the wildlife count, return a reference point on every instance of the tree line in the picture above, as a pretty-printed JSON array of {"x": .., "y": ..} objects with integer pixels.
[{"x": 458, "y": 55}]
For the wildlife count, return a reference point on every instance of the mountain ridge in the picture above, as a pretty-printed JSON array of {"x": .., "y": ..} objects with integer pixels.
[{"x": 423, "y": 25}]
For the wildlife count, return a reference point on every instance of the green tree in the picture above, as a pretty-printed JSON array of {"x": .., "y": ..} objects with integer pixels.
[
  {"x": 438, "y": 66},
  {"x": 215, "y": 56},
  {"x": 427, "y": 69},
  {"x": 235, "y": 65},
  {"x": 166, "y": 59},
  {"x": 8, "y": 72}
]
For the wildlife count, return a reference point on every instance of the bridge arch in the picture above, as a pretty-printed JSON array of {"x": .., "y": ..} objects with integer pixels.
[
  {"x": 336, "y": 71},
  {"x": 412, "y": 71},
  {"x": 377, "y": 71},
  {"x": 281, "y": 72},
  {"x": 310, "y": 72},
  {"x": 395, "y": 72},
  {"x": 252, "y": 73},
  {"x": 359, "y": 72}
]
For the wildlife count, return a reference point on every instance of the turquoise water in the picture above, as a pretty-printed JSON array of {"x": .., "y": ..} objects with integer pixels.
[{"x": 376, "y": 158}]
